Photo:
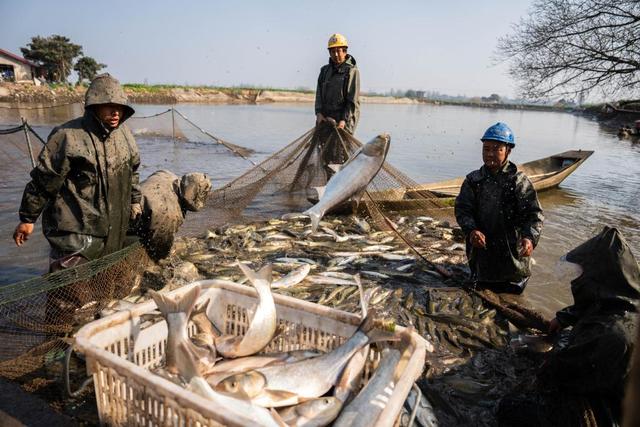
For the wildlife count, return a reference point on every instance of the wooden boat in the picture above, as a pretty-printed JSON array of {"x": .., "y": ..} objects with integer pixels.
[{"x": 544, "y": 173}]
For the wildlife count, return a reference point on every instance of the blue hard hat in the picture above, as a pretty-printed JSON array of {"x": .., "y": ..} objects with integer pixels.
[{"x": 500, "y": 132}]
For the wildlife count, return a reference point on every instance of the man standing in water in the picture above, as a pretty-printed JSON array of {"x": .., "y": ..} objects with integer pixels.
[
  {"x": 86, "y": 181},
  {"x": 338, "y": 91},
  {"x": 500, "y": 215}
]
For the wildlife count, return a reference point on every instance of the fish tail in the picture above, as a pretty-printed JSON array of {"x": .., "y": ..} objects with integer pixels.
[
  {"x": 315, "y": 220},
  {"x": 179, "y": 304},
  {"x": 259, "y": 279}
]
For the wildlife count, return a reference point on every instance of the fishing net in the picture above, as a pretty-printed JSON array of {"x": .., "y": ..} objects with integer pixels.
[
  {"x": 40, "y": 315},
  {"x": 174, "y": 125},
  {"x": 37, "y": 315},
  {"x": 286, "y": 181}
]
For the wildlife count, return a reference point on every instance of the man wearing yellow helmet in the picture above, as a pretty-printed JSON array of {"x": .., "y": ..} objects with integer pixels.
[{"x": 337, "y": 95}]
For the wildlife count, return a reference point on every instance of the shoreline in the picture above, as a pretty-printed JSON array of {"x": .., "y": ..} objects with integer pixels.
[{"x": 18, "y": 94}]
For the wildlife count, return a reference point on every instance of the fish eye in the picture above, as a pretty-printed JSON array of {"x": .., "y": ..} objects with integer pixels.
[{"x": 326, "y": 401}]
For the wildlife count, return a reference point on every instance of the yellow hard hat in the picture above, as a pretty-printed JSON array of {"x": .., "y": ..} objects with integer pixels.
[{"x": 337, "y": 40}]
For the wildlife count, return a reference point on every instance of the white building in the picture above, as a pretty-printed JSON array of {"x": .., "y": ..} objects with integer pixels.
[{"x": 15, "y": 68}]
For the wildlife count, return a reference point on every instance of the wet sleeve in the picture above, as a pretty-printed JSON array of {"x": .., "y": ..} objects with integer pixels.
[
  {"x": 529, "y": 211},
  {"x": 352, "y": 95},
  {"x": 465, "y": 208},
  {"x": 46, "y": 178},
  {"x": 136, "y": 195},
  {"x": 319, "y": 94},
  {"x": 595, "y": 360}
]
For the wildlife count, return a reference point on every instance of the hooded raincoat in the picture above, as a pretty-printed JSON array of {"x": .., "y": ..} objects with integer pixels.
[
  {"x": 591, "y": 367},
  {"x": 86, "y": 180},
  {"x": 166, "y": 198},
  {"x": 505, "y": 208},
  {"x": 595, "y": 361},
  {"x": 338, "y": 92}
]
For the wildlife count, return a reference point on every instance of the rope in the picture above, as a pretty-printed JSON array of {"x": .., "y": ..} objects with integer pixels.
[
  {"x": 153, "y": 115},
  {"x": 227, "y": 145},
  {"x": 11, "y": 130}
]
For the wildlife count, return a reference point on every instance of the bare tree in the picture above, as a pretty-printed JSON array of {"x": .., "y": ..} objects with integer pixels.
[{"x": 570, "y": 47}]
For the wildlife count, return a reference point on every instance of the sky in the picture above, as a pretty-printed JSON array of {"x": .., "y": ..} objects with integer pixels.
[{"x": 445, "y": 46}]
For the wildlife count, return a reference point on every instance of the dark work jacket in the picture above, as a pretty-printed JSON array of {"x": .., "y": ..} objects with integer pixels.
[
  {"x": 595, "y": 361},
  {"x": 505, "y": 208},
  {"x": 84, "y": 184},
  {"x": 338, "y": 92}
]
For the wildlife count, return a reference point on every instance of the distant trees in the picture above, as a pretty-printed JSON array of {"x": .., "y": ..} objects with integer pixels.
[
  {"x": 87, "y": 68},
  {"x": 56, "y": 55},
  {"x": 575, "y": 46}
]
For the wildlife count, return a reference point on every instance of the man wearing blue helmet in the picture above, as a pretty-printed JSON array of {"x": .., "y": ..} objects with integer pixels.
[{"x": 500, "y": 215}]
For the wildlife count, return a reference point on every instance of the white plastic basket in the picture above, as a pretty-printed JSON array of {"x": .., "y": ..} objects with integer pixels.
[{"x": 119, "y": 354}]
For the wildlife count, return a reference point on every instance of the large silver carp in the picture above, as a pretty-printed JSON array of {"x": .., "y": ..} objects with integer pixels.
[
  {"x": 291, "y": 384},
  {"x": 177, "y": 311},
  {"x": 263, "y": 324},
  {"x": 253, "y": 414},
  {"x": 352, "y": 178}
]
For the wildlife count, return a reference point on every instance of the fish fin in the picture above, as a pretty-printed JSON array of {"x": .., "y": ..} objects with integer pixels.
[
  {"x": 257, "y": 277},
  {"x": 320, "y": 191},
  {"x": 277, "y": 418},
  {"x": 335, "y": 167},
  {"x": 357, "y": 197},
  {"x": 315, "y": 220},
  {"x": 167, "y": 304}
]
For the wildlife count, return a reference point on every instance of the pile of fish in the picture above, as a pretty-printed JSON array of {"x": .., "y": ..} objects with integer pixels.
[
  {"x": 229, "y": 371},
  {"x": 322, "y": 267}
]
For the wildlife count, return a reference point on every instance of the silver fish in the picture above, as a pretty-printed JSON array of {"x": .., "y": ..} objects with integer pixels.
[
  {"x": 351, "y": 179},
  {"x": 263, "y": 324},
  {"x": 351, "y": 376},
  {"x": 317, "y": 412},
  {"x": 293, "y": 278},
  {"x": 324, "y": 280},
  {"x": 177, "y": 312},
  {"x": 284, "y": 385},
  {"x": 370, "y": 402},
  {"x": 252, "y": 414}
]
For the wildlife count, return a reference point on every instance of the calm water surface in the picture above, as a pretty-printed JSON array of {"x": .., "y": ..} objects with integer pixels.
[{"x": 429, "y": 143}]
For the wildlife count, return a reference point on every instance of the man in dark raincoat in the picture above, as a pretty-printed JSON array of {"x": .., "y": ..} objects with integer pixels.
[
  {"x": 500, "y": 215},
  {"x": 338, "y": 91},
  {"x": 582, "y": 381},
  {"x": 166, "y": 198},
  {"x": 86, "y": 181}
]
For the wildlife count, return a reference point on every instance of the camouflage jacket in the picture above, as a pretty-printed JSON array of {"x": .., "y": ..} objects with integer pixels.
[
  {"x": 505, "y": 208},
  {"x": 84, "y": 182},
  {"x": 338, "y": 92}
]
